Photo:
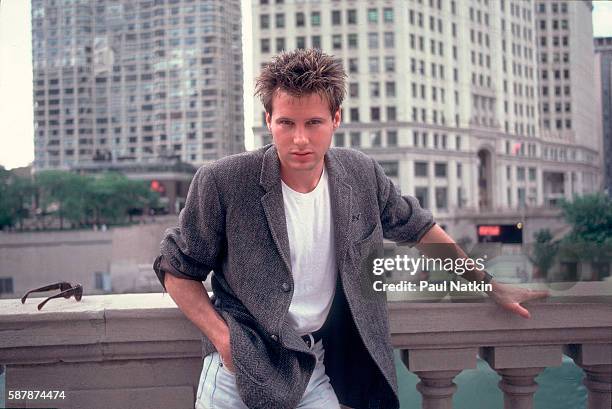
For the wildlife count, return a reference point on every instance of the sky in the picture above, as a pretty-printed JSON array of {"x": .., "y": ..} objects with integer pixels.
[{"x": 16, "y": 123}]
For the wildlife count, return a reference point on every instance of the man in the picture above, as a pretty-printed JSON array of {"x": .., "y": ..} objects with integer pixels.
[{"x": 286, "y": 229}]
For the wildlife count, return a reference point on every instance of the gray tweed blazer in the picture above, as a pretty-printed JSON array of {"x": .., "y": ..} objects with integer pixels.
[{"x": 234, "y": 224}]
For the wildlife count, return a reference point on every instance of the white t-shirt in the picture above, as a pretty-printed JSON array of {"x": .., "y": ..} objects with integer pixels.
[{"x": 313, "y": 258}]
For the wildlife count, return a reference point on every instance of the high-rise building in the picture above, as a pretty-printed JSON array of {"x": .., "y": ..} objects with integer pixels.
[
  {"x": 570, "y": 123},
  {"x": 447, "y": 96},
  {"x": 603, "y": 64},
  {"x": 127, "y": 81}
]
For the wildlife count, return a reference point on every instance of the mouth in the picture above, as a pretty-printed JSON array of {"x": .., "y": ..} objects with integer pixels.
[{"x": 301, "y": 154}]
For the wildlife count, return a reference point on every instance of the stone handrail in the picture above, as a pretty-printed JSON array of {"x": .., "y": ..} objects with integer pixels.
[{"x": 138, "y": 351}]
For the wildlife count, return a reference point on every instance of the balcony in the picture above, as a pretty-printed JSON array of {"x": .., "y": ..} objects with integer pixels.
[{"x": 138, "y": 351}]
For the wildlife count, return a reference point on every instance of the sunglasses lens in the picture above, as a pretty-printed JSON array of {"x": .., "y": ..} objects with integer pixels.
[{"x": 78, "y": 293}]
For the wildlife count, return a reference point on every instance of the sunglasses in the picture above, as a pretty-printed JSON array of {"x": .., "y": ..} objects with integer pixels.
[{"x": 67, "y": 290}]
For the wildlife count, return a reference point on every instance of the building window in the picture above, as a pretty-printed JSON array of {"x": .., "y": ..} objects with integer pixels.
[
  {"x": 374, "y": 89},
  {"x": 265, "y": 45},
  {"x": 390, "y": 88},
  {"x": 521, "y": 196},
  {"x": 351, "y": 16},
  {"x": 441, "y": 198},
  {"x": 459, "y": 170},
  {"x": 353, "y": 65},
  {"x": 102, "y": 281},
  {"x": 391, "y": 114},
  {"x": 352, "y": 40},
  {"x": 388, "y": 14},
  {"x": 375, "y": 139},
  {"x": 389, "y": 39},
  {"x": 389, "y": 64},
  {"x": 421, "y": 194},
  {"x": 355, "y": 139},
  {"x": 300, "y": 42},
  {"x": 339, "y": 139},
  {"x": 337, "y": 41},
  {"x": 336, "y": 17},
  {"x": 373, "y": 63},
  {"x": 354, "y": 113},
  {"x": 264, "y": 21},
  {"x": 440, "y": 170},
  {"x": 6, "y": 285},
  {"x": 532, "y": 174},
  {"x": 520, "y": 174},
  {"x": 316, "y": 42},
  {"x": 280, "y": 20},
  {"x": 300, "y": 19},
  {"x": 373, "y": 40},
  {"x": 372, "y": 15},
  {"x": 315, "y": 18},
  {"x": 391, "y": 138},
  {"x": 280, "y": 44},
  {"x": 374, "y": 114},
  {"x": 391, "y": 168},
  {"x": 354, "y": 90},
  {"x": 420, "y": 168}
]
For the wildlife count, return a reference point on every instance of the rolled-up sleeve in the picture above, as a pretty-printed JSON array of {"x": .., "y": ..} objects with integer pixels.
[
  {"x": 193, "y": 248},
  {"x": 402, "y": 217}
]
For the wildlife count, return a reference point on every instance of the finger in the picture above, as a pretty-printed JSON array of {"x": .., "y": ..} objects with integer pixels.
[
  {"x": 535, "y": 295},
  {"x": 518, "y": 309}
]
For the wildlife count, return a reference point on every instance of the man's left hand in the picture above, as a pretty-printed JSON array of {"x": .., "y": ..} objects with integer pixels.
[{"x": 510, "y": 297}]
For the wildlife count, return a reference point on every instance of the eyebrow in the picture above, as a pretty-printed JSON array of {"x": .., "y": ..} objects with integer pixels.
[{"x": 284, "y": 118}]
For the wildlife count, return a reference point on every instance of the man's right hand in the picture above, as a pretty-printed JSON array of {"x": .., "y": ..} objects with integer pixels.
[
  {"x": 192, "y": 298},
  {"x": 225, "y": 350}
]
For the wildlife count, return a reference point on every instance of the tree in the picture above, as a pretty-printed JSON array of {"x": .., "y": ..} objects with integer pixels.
[
  {"x": 543, "y": 252},
  {"x": 63, "y": 193},
  {"x": 590, "y": 217},
  {"x": 15, "y": 197},
  {"x": 112, "y": 195}
]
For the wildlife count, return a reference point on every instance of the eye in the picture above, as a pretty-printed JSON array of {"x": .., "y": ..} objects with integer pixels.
[
  {"x": 314, "y": 122},
  {"x": 284, "y": 122}
]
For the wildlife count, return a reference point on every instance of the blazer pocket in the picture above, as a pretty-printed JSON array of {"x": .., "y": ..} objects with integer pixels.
[
  {"x": 251, "y": 355},
  {"x": 366, "y": 237}
]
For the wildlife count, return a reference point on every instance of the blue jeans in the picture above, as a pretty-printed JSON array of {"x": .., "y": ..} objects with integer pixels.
[{"x": 217, "y": 386}]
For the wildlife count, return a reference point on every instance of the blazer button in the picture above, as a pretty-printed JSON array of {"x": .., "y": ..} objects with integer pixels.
[
  {"x": 286, "y": 287},
  {"x": 274, "y": 337}
]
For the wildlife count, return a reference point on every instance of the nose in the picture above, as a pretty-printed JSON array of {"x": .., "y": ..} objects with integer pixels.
[{"x": 299, "y": 137}]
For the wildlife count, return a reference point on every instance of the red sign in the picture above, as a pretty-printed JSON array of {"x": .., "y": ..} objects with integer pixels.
[{"x": 488, "y": 230}]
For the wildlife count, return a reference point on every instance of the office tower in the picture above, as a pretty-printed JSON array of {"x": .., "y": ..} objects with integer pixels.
[
  {"x": 446, "y": 96},
  {"x": 570, "y": 121},
  {"x": 119, "y": 81},
  {"x": 603, "y": 64}
]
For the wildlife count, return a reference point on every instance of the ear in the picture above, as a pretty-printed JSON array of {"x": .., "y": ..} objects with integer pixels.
[
  {"x": 269, "y": 121},
  {"x": 337, "y": 118}
]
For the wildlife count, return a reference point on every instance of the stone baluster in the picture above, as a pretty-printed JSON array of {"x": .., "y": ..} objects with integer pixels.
[
  {"x": 596, "y": 361},
  {"x": 437, "y": 368},
  {"x": 518, "y": 366}
]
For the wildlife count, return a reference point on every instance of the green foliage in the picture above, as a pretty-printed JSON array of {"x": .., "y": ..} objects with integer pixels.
[
  {"x": 544, "y": 251},
  {"x": 80, "y": 199},
  {"x": 591, "y": 219},
  {"x": 15, "y": 198}
]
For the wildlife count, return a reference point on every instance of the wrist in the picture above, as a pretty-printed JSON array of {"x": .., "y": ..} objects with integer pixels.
[{"x": 220, "y": 335}]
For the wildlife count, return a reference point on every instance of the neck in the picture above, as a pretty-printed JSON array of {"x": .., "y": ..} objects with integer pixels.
[{"x": 302, "y": 181}]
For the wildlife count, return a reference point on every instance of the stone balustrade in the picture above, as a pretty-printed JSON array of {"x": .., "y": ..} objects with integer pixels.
[{"x": 138, "y": 351}]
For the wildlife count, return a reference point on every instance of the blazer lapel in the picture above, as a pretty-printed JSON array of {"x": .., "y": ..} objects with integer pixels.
[
  {"x": 272, "y": 203},
  {"x": 341, "y": 202}
]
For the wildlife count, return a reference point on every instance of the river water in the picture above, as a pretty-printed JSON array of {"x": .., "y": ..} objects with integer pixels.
[{"x": 560, "y": 387}]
